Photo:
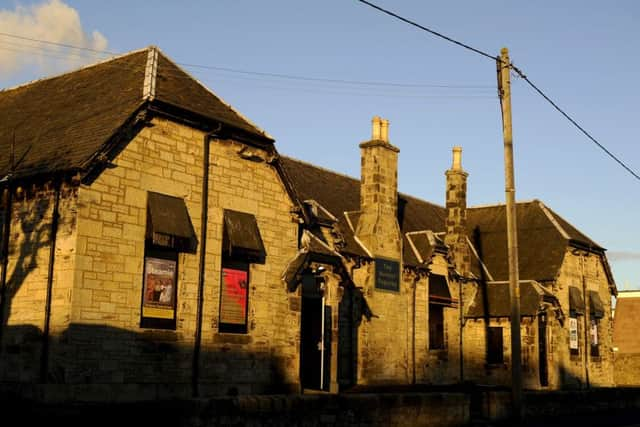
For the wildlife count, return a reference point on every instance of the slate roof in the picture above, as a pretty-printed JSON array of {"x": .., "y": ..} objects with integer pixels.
[
  {"x": 625, "y": 324},
  {"x": 339, "y": 194},
  {"x": 543, "y": 236},
  {"x": 497, "y": 297},
  {"x": 59, "y": 123},
  {"x": 541, "y": 243}
]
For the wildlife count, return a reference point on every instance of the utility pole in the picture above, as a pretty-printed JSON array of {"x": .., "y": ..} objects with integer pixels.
[{"x": 504, "y": 90}]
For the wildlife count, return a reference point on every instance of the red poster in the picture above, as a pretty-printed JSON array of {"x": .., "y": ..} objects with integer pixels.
[{"x": 233, "y": 303}]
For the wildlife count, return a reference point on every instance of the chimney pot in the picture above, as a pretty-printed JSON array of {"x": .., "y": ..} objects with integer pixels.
[
  {"x": 457, "y": 159},
  {"x": 384, "y": 130},
  {"x": 375, "y": 128}
]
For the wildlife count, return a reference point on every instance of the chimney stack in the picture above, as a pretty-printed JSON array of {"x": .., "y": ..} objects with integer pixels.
[
  {"x": 378, "y": 228},
  {"x": 456, "y": 206}
]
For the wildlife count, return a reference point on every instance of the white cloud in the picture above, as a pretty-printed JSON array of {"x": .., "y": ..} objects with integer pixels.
[
  {"x": 623, "y": 256},
  {"x": 52, "y": 21}
]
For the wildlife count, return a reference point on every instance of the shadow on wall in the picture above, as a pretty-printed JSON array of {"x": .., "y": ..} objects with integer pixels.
[
  {"x": 138, "y": 365},
  {"x": 30, "y": 241}
]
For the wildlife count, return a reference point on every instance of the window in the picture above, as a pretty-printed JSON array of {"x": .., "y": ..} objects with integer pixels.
[
  {"x": 576, "y": 308},
  {"x": 596, "y": 313},
  {"x": 495, "y": 350},
  {"x": 593, "y": 333},
  {"x": 159, "y": 288},
  {"x": 234, "y": 296},
  {"x": 169, "y": 231},
  {"x": 436, "y": 327},
  {"x": 574, "y": 348},
  {"x": 241, "y": 246},
  {"x": 439, "y": 299}
]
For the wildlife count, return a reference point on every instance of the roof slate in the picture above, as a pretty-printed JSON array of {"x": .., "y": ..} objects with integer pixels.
[
  {"x": 499, "y": 302},
  {"x": 541, "y": 245},
  {"x": 59, "y": 123}
]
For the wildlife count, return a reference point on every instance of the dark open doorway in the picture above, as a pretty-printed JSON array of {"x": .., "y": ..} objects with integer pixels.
[
  {"x": 542, "y": 350},
  {"x": 315, "y": 335}
]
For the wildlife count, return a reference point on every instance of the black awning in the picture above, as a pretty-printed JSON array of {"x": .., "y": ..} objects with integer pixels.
[
  {"x": 576, "y": 303},
  {"x": 595, "y": 305},
  {"x": 242, "y": 237},
  {"x": 169, "y": 224},
  {"x": 439, "y": 290}
]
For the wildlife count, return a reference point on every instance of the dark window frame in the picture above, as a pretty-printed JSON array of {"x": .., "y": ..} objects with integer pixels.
[
  {"x": 437, "y": 339},
  {"x": 153, "y": 251},
  {"x": 495, "y": 356},
  {"x": 234, "y": 328}
]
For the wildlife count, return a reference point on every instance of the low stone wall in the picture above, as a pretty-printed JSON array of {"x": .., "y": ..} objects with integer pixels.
[
  {"x": 439, "y": 409},
  {"x": 627, "y": 369},
  {"x": 406, "y": 409}
]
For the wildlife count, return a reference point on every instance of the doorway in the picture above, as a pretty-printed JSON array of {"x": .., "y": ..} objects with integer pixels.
[
  {"x": 315, "y": 335},
  {"x": 542, "y": 350}
]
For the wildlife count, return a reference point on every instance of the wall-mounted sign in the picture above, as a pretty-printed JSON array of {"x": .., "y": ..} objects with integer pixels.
[
  {"x": 573, "y": 333},
  {"x": 387, "y": 274},
  {"x": 159, "y": 288}
]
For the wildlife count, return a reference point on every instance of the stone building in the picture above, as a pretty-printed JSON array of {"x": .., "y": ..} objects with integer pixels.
[
  {"x": 155, "y": 244},
  {"x": 626, "y": 342}
]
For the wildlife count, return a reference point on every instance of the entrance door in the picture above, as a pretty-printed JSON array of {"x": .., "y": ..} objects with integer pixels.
[
  {"x": 315, "y": 332},
  {"x": 542, "y": 350}
]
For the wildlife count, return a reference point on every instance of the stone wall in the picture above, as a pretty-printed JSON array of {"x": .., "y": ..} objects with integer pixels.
[
  {"x": 26, "y": 287},
  {"x": 112, "y": 347},
  {"x": 627, "y": 369},
  {"x": 571, "y": 368}
]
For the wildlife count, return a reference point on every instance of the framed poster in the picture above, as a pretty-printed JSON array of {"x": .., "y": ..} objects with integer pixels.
[
  {"x": 573, "y": 333},
  {"x": 234, "y": 298},
  {"x": 159, "y": 292},
  {"x": 594, "y": 332}
]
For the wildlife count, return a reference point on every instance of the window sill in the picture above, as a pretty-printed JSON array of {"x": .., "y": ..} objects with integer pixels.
[
  {"x": 495, "y": 365},
  {"x": 231, "y": 338}
]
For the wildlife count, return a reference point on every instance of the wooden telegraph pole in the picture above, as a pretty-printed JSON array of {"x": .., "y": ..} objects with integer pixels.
[{"x": 504, "y": 90}]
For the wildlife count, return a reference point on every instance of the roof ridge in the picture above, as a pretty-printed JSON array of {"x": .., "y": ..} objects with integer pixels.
[
  {"x": 75, "y": 70},
  {"x": 496, "y": 205},
  {"x": 226, "y": 104},
  {"x": 551, "y": 218},
  {"x": 355, "y": 179}
]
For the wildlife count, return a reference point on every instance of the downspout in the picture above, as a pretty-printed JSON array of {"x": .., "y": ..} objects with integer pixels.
[
  {"x": 587, "y": 312},
  {"x": 4, "y": 255},
  {"x": 460, "y": 302},
  {"x": 55, "y": 216},
  {"x": 195, "y": 372},
  {"x": 413, "y": 335}
]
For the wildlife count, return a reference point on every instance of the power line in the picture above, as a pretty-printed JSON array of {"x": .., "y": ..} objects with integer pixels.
[
  {"x": 264, "y": 74},
  {"x": 15, "y": 36},
  {"x": 435, "y": 33},
  {"x": 587, "y": 134},
  {"x": 514, "y": 68}
]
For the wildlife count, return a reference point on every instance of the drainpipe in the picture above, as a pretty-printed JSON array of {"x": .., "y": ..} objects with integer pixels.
[
  {"x": 4, "y": 254},
  {"x": 413, "y": 335},
  {"x": 460, "y": 302},
  {"x": 587, "y": 312},
  {"x": 195, "y": 372},
  {"x": 55, "y": 216}
]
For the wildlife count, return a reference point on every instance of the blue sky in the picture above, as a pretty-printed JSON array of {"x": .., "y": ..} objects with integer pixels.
[{"x": 584, "y": 54}]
